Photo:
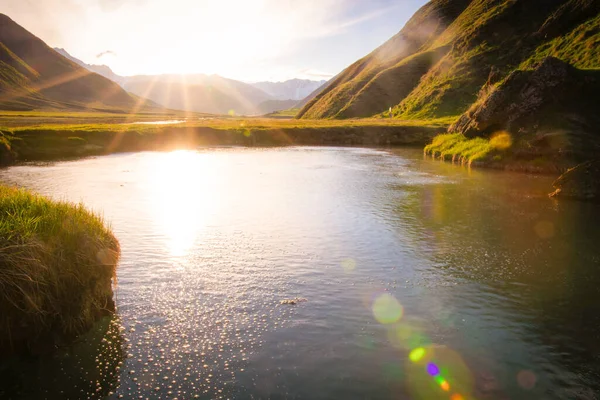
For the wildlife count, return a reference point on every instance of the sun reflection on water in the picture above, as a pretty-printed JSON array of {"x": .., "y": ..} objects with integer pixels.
[{"x": 183, "y": 196}]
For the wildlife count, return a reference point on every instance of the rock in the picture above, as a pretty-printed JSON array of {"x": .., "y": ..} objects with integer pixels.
[
  {"x": 293, "y": 301},
  {"x": 581, "y": 182},
  {"x": 522, "y": 93},
  {"x": 550, "y": 110},
  {"x": 551, "y": 114}
]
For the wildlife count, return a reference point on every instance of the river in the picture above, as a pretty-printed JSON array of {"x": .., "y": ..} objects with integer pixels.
[{"x": 410, "y": 279}]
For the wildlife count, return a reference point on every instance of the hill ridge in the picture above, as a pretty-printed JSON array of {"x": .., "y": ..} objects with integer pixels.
[
  {"x": 35, "y": 76},
  {"x": 436, "y": 65}
]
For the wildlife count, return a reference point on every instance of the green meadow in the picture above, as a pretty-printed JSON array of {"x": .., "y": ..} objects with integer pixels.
[{"x": 55, "y": 135}]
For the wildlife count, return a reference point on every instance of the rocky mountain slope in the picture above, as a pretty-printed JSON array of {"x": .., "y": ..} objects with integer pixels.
[
  {"x": 34, "y": 76},
  {"x": 436, "y": 65}
]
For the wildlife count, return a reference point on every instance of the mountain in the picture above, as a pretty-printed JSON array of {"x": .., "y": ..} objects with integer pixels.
[
  {"x": 313, "y": 94},
  {"x": 34, "y": 76},
  {"x": 437, "y": 64},
  {"x": 202, "y": 93},
  {"x": 103, "y": 70},
  {"x": 293, "y": 89},
  {"x": 194, "y": 92}
]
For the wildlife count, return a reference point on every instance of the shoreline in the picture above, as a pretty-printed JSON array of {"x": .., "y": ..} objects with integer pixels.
[
  {"x": 58, "y": 266},
  {"x": 42, "y": 144},
  {"x": 516, "y": 166}
]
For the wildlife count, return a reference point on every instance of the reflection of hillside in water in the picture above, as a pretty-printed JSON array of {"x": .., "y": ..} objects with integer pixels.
[
  {"x": 89, "y": 368},
  {"x": 534, "y": 261}
]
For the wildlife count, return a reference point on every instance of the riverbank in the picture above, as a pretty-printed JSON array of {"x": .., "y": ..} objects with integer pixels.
[
  {"x": 57, "y": 263},
  {"x": 497, "y": 152},
  {"x": 575, "y": 179},
  {"x": 55, "y": 141}
]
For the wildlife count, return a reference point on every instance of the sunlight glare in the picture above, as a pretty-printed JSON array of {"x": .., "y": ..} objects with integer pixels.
[{"x": 182, "y": 190}]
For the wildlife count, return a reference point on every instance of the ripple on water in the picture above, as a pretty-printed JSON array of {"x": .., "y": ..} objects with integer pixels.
[{"x": 392, "y": 252}]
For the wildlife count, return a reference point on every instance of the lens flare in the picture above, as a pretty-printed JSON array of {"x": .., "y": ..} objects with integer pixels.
[
  {"x": 433, "y": 369},
  {"x": 349, "y": 265},
  {"x": 526, "y": 379},
  {"x": 445, "y": 386},
  {"x": 443, "y": 383},
  {"x": 417, "y": 354},
  {"x": 501, "y": 140},
  {"x": 408, "y": 334},
  {"x": 386, "y": 309}
]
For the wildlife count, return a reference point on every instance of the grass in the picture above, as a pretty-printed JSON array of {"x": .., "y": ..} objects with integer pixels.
[
  {"x": 421, "y": 80},
  {"x": 48, "y": 120},
  {"x": 456, "y": 147},
  {"x": 580, "y": 47},
  {"x": 57, "y": 260},
  {"x": 31, "y": 136},
  {"x": 290, "y": 112},
  {"x": 368, "y": 78}
]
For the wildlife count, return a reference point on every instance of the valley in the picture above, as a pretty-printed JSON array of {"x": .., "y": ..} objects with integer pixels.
[{"x": 361, "y": 213}]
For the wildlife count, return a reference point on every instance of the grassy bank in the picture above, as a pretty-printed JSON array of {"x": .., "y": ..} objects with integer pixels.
[
  {"x": 57, "y": 261},
  {"x": 456, "y": 147},
  {"x": 47, "y": 141},
  {"x": 499, "y": 151}
]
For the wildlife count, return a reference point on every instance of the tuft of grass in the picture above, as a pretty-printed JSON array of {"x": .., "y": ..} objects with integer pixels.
[
  {"x": 456, "y": 147},
  {"x": 57, "y": 261}
]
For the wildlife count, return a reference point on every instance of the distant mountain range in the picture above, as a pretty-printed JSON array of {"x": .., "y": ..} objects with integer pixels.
[
  {"x": 293, "y": 89},
  {"x": 209, "y": 93},
  {"x": 34, "y": 76}
]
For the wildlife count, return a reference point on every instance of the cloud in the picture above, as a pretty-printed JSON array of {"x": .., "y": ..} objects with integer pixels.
[
  {"x": 338, "y": 27},
  {"x": 314, "y": 74},
  {"x": 235, "y": 38},
  {"x": 43, "y": 18},
  {"x": 106, "y": 53},
  {"x": 112, "y": 5}
]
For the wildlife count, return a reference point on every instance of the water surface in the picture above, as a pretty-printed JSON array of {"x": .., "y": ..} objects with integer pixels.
[{"x": 422, "y": 280}]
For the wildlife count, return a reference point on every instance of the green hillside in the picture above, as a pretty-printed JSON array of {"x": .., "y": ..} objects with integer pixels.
[
  {"x": 34, "y": 76},
  {"x": 437, "y": 64}
]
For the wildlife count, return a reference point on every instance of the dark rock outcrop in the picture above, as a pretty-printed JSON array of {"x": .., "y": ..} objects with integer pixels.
[
  {"x": 551, "y": 110},
  {"x": 551, "y": 113},
  {"x": 581, "y": 182}
]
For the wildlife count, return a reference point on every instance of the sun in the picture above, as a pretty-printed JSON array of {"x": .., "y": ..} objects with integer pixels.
[{"x": 182, "y": 193}]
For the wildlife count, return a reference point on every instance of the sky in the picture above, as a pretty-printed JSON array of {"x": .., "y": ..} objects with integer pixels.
[{"x": 248, "y": 40}]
